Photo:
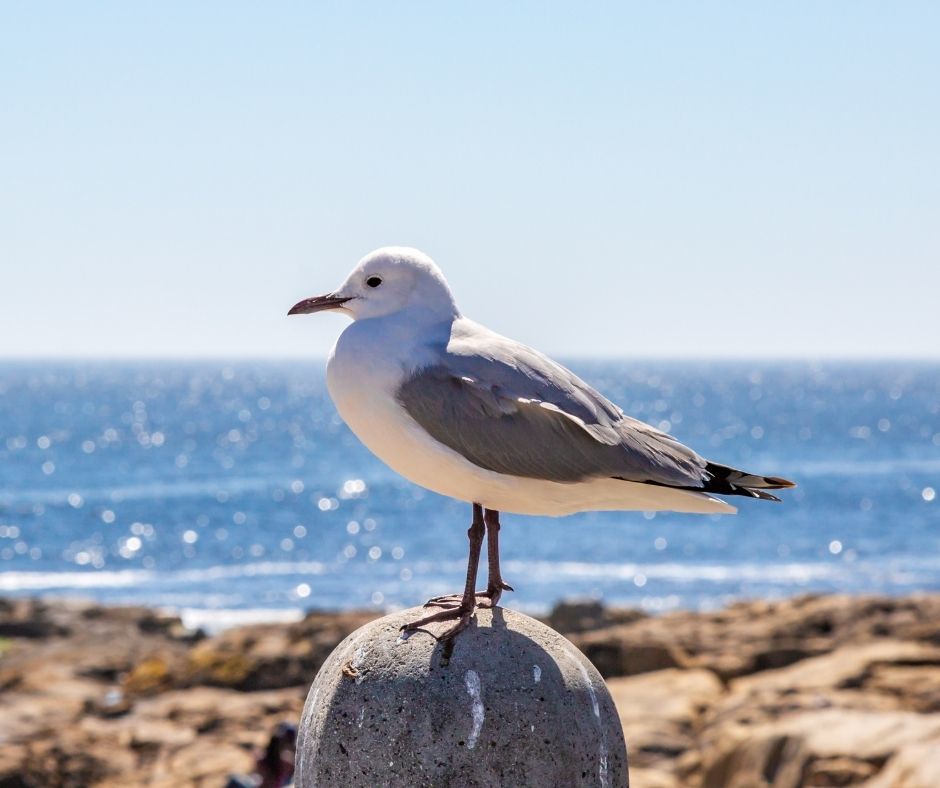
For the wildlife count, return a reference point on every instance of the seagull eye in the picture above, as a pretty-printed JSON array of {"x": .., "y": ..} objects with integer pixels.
[{"x": 374, "y": 281}]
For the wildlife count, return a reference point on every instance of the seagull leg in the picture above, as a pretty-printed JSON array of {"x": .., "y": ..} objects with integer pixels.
[
  {"x": 464, "y": 611},
  {"x": 494, "y": 583}
]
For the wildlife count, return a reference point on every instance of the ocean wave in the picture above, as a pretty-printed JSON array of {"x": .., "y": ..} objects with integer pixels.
[
  {"x": 214, "y": 620},
  {"x": 202, "y": 587},
  {"x": 40, "y": 581},
  {"x": 129, "y": 578},
  {"x": 161, "y": 490},
  {"x": 783, "y": 574},
  {"x": 677, "y": 572}
]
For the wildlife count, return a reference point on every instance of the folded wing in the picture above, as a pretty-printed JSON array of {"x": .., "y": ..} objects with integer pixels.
[
  {"x": 509, "y": 409},
  {"x": 512, "y": 410}
]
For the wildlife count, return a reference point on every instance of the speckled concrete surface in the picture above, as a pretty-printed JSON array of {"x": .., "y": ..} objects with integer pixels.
[{"x": 516, "y": 704}]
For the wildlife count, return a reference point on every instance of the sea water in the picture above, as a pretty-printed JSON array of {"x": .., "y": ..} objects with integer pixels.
[{"x": 232, "y": 491}]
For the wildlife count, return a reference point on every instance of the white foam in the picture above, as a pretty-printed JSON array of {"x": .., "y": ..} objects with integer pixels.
[
  {"x": 680, "y": 573},
  {"x": 215, "y": 620},
  {"x": 161, "y": 490},
  {"x": 127, "y": 578},
  {"x": 257, "y": 569},
  {"x": 102, "y": 578}
]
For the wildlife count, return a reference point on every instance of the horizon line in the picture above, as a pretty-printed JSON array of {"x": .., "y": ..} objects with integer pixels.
[{"x": 254, "y": 359}]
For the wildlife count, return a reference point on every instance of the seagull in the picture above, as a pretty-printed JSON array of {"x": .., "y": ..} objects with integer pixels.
[{"x": 463, "y": 411}]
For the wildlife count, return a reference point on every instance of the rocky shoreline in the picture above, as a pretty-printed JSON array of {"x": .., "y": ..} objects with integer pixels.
[{"x": 814, "y": 691}]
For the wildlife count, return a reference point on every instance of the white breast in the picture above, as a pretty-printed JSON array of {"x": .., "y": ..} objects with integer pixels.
[{"x": 363, "y": 374}]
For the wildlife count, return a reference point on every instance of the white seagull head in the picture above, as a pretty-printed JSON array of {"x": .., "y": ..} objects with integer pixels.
[{"x": 386, "y": 281}]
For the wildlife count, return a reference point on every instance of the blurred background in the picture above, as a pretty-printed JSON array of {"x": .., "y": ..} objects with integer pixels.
[
  {"x": 232, "y": 492},
  {"x": 722, "y": 216}
]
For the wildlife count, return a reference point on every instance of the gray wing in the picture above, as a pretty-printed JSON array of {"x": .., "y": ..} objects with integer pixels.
[{"x": 510, "y": 409}]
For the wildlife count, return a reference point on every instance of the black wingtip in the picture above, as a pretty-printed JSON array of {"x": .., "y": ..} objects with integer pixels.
[
  {"x": 776, "y": 483},
  {"x": 730, "y": 481},
  {"x": 764, "y": 496}
]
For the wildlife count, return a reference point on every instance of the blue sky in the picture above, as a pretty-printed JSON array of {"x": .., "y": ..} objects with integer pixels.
[{"x": 656, "y": 179}]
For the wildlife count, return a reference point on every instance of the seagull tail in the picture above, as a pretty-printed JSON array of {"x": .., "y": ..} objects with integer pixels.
[{"x": 729, "y": 481}]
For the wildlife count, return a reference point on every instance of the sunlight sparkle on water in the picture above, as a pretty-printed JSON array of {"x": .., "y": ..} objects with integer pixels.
[
  {"x": 353, "y": 488},
  {"x": 243, "y": 465}
]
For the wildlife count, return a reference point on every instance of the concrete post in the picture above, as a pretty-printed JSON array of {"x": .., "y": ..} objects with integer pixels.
[{"x": 516, "y": 704}]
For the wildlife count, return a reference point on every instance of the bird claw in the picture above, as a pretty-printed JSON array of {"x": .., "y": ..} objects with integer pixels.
[
  {"x": 493, "y": 595},
  {"x": 447, "y": 601},
  {"x": 453, "y": 601},
  {"x": 460, "y": 613}
]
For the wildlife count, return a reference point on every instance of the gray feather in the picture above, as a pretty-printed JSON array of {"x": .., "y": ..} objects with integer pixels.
[{"x": 512, "y": 410}]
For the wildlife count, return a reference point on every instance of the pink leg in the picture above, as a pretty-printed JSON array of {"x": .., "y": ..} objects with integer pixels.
[
  {"x": 463, "y": 611},
  {"x": 495, "y": 584}
]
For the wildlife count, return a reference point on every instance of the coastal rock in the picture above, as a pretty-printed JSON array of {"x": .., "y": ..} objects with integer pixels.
[
  {"x": 584, "y": 615},
  {"x": 513, "y": 704},
  {"x": 913, "y": 687},
  {"x": 750, "y": 637},
  {"x": 616, "y": 651},
  {"x": 826, "y": 747},
  {"x": 267, "y": 656},
  {"x": 844, "y": 668},
  {"x": 915, "y": 765},
  {"x": 824, "y": 721},
  {"x": 660, "y": 713},
  {"x": 29, "y": 618},
  {"x": 845, "y": 688},
  {"x": 653, "y": 778}
]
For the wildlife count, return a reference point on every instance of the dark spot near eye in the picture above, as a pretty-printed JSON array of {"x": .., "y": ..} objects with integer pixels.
[{"x": 374, "y": 281}]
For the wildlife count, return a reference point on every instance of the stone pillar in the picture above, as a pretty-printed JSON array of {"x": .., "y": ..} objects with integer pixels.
[{"x": 515, "y": 704}]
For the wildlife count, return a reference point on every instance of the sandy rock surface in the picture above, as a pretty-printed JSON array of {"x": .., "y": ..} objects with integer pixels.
[{"x": 814, "y": 691}]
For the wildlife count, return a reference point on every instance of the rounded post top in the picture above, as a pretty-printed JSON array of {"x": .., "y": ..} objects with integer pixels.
[{"x": 515, "y": 703}]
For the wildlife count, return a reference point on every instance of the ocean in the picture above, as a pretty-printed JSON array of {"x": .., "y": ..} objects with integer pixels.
[{"x": 232, "y": 492}]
